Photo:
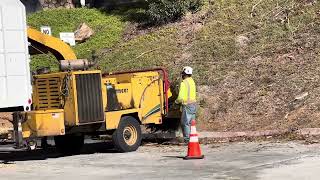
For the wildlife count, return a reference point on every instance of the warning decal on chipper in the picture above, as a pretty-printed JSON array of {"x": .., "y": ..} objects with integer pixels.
[{"x": 120, "y": 91}]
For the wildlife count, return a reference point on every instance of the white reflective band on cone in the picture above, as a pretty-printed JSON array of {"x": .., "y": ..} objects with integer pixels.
[
  {"x": 194, "y": 139},
  {"x": 193, "y": 130}
]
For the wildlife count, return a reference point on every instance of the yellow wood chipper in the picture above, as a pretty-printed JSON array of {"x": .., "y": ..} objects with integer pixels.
[
  {"x": 68, "y": 105},
  {"x": 75, "y": 102}
]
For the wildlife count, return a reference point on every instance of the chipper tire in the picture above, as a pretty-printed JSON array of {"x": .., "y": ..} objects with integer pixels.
[
  {"x": 127, "y": 137},
  {"x": 69, "y": 144}
]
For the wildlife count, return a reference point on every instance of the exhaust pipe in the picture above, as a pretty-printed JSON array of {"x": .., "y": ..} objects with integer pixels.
[
  {"x": 79, "y": 64},
  {"x": 74, "y": 65}
]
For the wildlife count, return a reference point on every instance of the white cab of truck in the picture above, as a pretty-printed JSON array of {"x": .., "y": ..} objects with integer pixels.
[{"x": 15, "y": 81}]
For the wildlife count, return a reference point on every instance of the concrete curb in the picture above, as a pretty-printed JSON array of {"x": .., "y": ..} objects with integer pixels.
[
  {"x": 309, "y": 131},
  {"x": 304, "y": 132},
  {"x": 252, "y": 134}
]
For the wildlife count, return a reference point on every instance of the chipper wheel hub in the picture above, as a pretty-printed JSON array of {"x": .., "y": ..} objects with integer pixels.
[{"x": 130, "y": 135}]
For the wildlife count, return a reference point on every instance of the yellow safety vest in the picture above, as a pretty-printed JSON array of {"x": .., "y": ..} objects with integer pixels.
[{"x": 187, "y": 92}]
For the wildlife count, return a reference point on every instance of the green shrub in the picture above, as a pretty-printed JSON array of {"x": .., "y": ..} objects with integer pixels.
[
  {"x": 164, "y": 11},
  {"x": 108, "y": 28}
]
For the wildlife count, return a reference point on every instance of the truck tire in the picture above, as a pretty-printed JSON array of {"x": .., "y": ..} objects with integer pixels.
[
  {"x": 128, "y": 136},
  {"x": 69, "y": 144}
]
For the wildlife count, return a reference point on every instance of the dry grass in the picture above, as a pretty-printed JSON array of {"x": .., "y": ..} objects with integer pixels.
[{"x": 260, "y": 62}]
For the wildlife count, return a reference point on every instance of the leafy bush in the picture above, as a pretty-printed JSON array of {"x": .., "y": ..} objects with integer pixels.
[{"x": 164, "y": 11}]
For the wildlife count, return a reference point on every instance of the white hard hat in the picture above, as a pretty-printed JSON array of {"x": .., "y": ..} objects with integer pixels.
[{"x": 188, "y": 70}]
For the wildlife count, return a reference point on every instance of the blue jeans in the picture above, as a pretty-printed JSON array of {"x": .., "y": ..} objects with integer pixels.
[{"x": 188, "y": 114}]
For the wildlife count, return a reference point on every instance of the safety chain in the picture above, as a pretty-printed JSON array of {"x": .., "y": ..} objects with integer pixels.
[{"x": 65, "y": 92}]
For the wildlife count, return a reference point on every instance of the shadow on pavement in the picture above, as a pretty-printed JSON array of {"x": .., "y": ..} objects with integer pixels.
[
  {"x": 8, "y": 156},
  {"x": 175, "y": 157}
]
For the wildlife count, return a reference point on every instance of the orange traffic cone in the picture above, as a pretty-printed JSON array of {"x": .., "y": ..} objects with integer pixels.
[{"x": 194, "y": 150}]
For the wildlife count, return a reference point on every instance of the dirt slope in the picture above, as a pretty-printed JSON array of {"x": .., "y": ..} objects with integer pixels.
[
  {"x": 263, "y": 71},
  {"x": 256, "y": 62}
]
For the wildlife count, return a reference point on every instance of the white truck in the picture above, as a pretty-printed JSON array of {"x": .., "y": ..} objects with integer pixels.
[{"x": 15, "y": 80}]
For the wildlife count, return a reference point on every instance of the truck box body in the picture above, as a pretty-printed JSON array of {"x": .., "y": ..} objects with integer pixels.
[{"x": 15, "y": 81}]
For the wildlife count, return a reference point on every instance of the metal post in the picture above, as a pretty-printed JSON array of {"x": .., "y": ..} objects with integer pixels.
[
  {"x": 83, "y": 3},
  {"x": 17, "y": 130}
]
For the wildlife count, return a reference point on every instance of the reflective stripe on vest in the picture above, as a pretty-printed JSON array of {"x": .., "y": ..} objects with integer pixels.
[{"x": 186, "y": 82}]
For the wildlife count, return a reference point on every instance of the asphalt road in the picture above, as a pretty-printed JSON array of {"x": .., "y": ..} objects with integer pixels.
[{"x": 291, "y": 160}]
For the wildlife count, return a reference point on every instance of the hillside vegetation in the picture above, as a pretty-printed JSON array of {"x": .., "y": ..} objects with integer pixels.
[
  {"x": 108, "y": 30},
  {"x": 256, "y": 62}
]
